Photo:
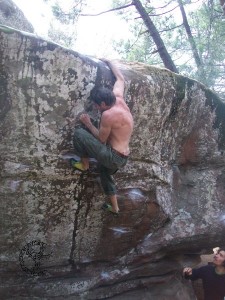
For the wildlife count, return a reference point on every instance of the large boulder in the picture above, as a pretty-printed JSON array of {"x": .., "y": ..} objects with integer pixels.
[
  {"x": 11, "y": 15},
  {"x": 55, "y": 240}
]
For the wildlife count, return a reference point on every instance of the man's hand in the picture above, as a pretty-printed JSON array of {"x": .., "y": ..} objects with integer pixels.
[
  {"x": 85, "y": 119},
  {"x": 187, "y": 271}
]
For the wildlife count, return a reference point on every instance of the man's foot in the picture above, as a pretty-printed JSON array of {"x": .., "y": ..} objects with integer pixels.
[
  {"x": 108, "y": 207},
  {"x": 77, "y": 165}
]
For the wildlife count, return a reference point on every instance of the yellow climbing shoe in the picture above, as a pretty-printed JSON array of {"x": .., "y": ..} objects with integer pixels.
[{"x": 77, "y": 165}]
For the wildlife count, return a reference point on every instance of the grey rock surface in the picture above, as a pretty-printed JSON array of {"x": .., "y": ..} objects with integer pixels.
[
  {"x": 12, "y": 16},
  {"x": 171, "y": 192}
]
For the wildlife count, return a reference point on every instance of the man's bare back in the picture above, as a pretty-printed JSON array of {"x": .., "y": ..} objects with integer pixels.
[{"x": 121, "y": 121}]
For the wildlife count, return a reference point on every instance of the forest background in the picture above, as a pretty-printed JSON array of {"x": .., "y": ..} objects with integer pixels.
[{"x": 185, "y": 36}]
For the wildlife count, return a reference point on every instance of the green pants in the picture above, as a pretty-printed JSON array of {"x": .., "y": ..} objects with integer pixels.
[{"x": 86, "y": 145}]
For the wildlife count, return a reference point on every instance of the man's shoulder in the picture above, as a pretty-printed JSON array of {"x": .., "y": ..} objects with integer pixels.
[
  {"x": 206, "y": 267},
  {"x": 208, "y": 270},
  {"x": 201, "y": 270},
  {"x": 107, "y": 116}
]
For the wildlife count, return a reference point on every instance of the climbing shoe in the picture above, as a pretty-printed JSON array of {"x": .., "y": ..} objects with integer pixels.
[
  {"x": 77, "y": 165},
  {"x": 107, "y": 207}
]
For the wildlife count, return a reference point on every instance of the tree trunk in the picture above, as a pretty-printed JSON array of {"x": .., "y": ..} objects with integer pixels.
[
  {"x": 222, "y": 3},
  {"x": 165, "y": 56},
  {"x": 191, "y": 40}
]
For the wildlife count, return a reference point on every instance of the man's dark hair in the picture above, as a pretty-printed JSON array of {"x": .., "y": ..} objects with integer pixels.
[{"x": 102, "y": 94}]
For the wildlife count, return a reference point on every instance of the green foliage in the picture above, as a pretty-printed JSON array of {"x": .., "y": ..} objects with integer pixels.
[
  {"x": 66, "y": 16},
  {"x": 207, "y": 27},
  {"x": 63, "y": 29},
  {"x": 61, "y": 37}
]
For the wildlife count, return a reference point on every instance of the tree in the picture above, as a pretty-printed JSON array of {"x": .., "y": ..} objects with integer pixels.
[
  {"x": 63, "y": 29},
  {"x": 210, "y": 39},
  {"x": 61, "y": 37},
  {"x": 197, "y": 57},
  {"x": 166, "y": 58},
  {"x": 186, "y": 43},
  {"x": 222, "y": 3},
  {"x": 200, "y": 56}
]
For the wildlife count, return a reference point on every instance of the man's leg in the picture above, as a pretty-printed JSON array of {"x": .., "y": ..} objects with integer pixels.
[
  {"x": 85, "y": 162},
  {"x": 86, "y": 146},
  {"x": 115, "y": 207},
  {"x": 109, "y": 186},
  {"x": 81, "y": 139}
]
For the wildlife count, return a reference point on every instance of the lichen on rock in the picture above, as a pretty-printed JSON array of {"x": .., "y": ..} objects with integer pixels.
[{"x": 171, "y": 192}]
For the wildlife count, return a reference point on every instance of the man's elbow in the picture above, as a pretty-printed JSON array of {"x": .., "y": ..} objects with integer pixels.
[{"x": 103, "y": 141}]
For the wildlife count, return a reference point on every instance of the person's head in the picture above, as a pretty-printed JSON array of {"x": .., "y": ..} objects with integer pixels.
[
  {"x": 219, "y": 258},
  {"x": 102, "y": 97}
]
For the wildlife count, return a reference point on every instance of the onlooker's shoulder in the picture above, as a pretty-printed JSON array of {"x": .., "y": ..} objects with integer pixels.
[
  {"x": 204, "y": 269},
  {"x": 208, "y": 267}
]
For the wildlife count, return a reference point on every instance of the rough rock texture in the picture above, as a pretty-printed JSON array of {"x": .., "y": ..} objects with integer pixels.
[
  {"x": 11, "y": 15},
  {"x": 171, "y": 193}
]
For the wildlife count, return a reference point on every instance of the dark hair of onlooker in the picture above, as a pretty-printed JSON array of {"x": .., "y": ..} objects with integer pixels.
[
  {"x": 102, "y": 94},
  {"x": 218, "y": 250}
]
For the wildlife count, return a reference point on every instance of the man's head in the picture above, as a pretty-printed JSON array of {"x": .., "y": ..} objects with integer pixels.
[
  {"x": 104, "y": 98},
  {"x": 219, "y": 258}
]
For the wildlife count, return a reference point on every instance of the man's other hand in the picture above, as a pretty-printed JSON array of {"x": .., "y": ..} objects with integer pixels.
[
  {"x": 187, "y": 271},
  {"x": 85, "y": 119}
]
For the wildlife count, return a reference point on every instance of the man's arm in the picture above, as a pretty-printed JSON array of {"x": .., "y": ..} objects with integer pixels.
[
  {"x": 105, "y": 128},
  {"x": 119, "y": 85},
  {"x": 85, "y": 119},
  {"x": 103, "y": 133},
  {"x": 193, "y": 274}
]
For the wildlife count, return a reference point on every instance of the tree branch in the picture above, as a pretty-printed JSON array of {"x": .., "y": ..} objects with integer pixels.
[
  {"x": 160, "y": 31},
  {"x": 163, "y": 5},
  {"x": 156, "y": 15},
  {"x": 104, "y": 12}
]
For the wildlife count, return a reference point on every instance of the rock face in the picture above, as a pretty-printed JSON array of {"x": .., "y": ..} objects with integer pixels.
[
  {"x": 55, "y": 240},
  {"x": 12, "y": 16}
]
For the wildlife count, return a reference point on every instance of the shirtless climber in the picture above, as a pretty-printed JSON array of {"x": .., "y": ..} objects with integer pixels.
[{"x": 109, "y": 144}]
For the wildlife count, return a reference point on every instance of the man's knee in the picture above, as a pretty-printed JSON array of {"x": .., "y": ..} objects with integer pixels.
[
  {"x": 78, "y": 141},
  {"x": 78, "y": 132}
]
